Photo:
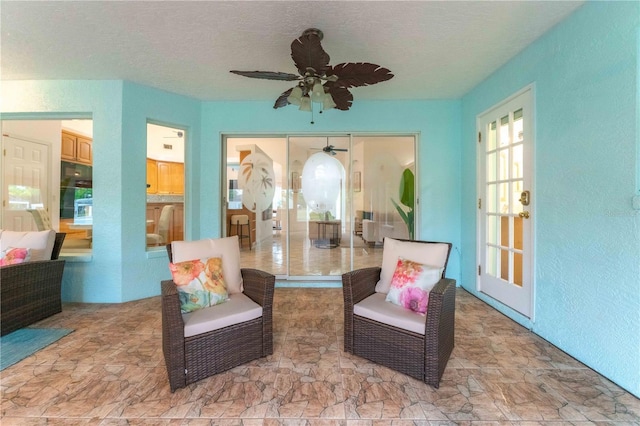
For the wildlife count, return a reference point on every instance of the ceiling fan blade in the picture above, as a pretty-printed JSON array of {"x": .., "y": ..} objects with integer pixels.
[
  {"x": 354, "y": 74},
  {"x": 282, "y": 99},
  {"x": 307, "y": 52},
  {"x": 341, "y": 96},
  {"x": 268, "y": 75}
]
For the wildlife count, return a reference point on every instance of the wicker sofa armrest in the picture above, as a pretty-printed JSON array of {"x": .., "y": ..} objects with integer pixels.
[
  {"x": 439, "y": 329},
  {"x": 30, "y": 292},
  {"x": 173, "y": 335},
  {"x": 259, "y": 286},
  {"x": 356, "y": 286},
  {"x": 57, "y": 245},
  {"x": 359, "y": 284}
]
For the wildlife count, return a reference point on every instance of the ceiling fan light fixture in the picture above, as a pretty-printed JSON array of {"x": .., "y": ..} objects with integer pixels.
[
  {"x": 296, "y": 96},
  {"x": 317, "y": 92},
  {"x": 305, "y": 103},
  {"x": 327, "y": 102}
]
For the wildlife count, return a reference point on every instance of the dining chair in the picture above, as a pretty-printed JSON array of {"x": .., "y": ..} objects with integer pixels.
[{"x": 161, "y": 236}]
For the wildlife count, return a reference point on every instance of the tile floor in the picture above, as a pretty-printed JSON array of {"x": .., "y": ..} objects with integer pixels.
[
  {"x": 110, "y": 371},
  {"x": 305, "y": 259}
]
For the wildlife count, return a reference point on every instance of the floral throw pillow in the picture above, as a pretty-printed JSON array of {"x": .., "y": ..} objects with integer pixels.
[
  {"x": 411, "y": 283},
  {"x": 13, "y": 256},
  {"x": 199, "y": 283}
]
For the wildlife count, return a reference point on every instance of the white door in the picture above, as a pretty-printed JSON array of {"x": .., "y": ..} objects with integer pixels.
[
  {"x": 505, "y": 203},
  {"x": 25, "y": 183}
]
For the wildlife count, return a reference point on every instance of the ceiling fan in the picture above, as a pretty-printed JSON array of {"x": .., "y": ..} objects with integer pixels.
[
  {"x": 318, "y": 81},
  {"x": 330, "y": 149}
]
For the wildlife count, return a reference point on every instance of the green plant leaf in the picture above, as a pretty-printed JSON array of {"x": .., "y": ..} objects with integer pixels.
[
  {"x": 401, "y": 212},
  {"x": 407, "y": 185}
]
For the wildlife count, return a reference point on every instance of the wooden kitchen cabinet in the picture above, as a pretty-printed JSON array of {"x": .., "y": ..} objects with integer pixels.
[
  {"x": 164, "y": 177},
  {"x": 176, "y": 170},
  {"x": 152, "y": 176},
  {"x": 68, "y": 147},
  {"x": 76, "y": 148},
  {"x": 169, "y": 177}
]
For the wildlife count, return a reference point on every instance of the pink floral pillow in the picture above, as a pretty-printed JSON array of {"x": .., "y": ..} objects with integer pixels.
[
  {"x": 411, "y": 283},
  {"x": 13, "y": 256},
  {"x": 199, "y": 283}
]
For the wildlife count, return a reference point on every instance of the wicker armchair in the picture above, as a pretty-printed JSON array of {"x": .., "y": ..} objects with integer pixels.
[
  {"x": 422, "y": 356},
  {"x": 31, "y": 291},
  {"x": 189, "y": 359}
]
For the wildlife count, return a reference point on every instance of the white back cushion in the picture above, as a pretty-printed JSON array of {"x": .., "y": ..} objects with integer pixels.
[
  {"x": 40, "y": 242},
  {"x": 433, "y": 254},
  {"x": 226, "y": 248}
]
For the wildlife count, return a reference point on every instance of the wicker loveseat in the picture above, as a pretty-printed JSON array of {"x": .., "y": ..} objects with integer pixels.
[
  {"x": 190, "y": 358},
  {"x": 30, "y": 291},
  {"x": 423, "y": 356}
]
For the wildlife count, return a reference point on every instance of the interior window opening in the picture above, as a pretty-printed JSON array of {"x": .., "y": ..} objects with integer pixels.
[
  {"x": 48, "y": 179},
  {"x": 165, "y": 185}
]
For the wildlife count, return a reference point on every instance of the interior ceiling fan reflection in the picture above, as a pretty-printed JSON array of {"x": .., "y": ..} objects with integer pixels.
[{"x": 330, "y": 149}]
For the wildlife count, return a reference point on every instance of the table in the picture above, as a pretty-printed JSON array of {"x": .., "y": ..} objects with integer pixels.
[{"x": 328, "y": 233}]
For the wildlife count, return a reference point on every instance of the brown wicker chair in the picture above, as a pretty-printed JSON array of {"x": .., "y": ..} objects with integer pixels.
[
  {"x": 423, "y": 357},
  {"x": 31, "y": 291},
  {"x": 189, "y": 359}
]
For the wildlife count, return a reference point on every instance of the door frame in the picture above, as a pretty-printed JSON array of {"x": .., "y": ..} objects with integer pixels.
[
  {"x": 224, "y": 136},
  {"x": 529, "y": 176}
]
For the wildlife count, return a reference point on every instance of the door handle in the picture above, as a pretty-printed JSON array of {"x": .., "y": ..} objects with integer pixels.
[{"x": 524, "y": 214}]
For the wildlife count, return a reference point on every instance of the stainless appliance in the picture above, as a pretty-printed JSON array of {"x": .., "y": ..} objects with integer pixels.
[{"x": 83, "y": 211}]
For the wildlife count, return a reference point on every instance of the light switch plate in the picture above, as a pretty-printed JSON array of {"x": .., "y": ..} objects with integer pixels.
[{"x": 636, "y": 202}]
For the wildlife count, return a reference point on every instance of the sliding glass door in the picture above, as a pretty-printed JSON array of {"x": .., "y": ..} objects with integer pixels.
[{"x": 318, "y": 206}]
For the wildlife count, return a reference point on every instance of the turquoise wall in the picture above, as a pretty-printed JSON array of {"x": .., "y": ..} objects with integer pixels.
[
  {"x": 587, "y": 235},
  {"x": 101, "y": 279},
  {"x": 121, "y": 269},
  {"x": 142, "y": 271}
]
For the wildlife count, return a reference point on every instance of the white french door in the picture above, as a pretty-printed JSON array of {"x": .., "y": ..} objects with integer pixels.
[{"x": 505, "y": 203}]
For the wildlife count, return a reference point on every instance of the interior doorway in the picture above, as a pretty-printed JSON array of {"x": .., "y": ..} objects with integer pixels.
[{"x": 318, "y": 205}]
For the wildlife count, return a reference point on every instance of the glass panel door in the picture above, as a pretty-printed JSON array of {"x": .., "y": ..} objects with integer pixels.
[
  {"x": 384, "y": 189},
  {"x": 319, "y": 220},
  {"x": 504, "y": 205},
  {"x": 256, "y": 187}
]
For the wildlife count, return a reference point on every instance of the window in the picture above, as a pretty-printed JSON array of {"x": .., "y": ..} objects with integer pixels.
[{"x": 165, "y": 185}]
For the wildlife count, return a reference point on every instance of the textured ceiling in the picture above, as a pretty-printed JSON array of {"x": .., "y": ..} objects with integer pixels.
[{"x": 435, "y": 49}]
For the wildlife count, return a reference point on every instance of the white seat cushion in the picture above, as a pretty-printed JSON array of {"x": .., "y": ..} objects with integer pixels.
[
  {"x": 376, "y": 308},
  {"x": 239, "y": 308},
  {"x": 40, "y": 242},
  {"x": 432, "y": 254},
  {"x": 226, "y": 248}
]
